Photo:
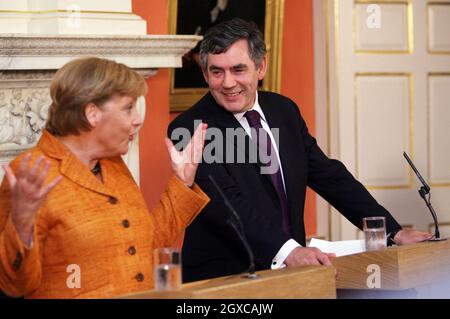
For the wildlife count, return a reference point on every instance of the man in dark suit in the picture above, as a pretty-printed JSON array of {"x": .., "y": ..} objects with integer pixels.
[{"x": 270, "y": 202}]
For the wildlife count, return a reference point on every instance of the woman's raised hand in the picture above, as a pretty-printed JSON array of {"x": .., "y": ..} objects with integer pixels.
[
  {"x": 185, "y": 163},
  {"x": 28, "y": 192}
]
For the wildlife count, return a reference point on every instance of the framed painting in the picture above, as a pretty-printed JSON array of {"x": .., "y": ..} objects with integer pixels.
[{"x": 187, "y": 84}]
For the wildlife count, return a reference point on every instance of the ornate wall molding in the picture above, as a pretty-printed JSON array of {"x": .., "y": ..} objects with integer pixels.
[
  {"x": 109, "y": 46},
  {"x": 22, "y": 79},
  {"x": 23, "y": 113}
]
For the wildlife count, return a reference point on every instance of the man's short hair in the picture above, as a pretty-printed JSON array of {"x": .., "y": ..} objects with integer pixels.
[{"x": 219, "y": 38}]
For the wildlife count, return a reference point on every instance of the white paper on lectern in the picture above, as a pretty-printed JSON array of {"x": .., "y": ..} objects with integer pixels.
[{"x": 340, "y": 248}]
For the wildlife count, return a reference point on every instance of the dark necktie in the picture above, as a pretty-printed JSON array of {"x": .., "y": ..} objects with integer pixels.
[{"x": 262, "y": 137}]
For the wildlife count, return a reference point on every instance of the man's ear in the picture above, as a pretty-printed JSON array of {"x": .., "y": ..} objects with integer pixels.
[
  {"x": 205, "y": 74},
  {"x": 93, "y": 114},
  {"x": 262, "y": 68}
]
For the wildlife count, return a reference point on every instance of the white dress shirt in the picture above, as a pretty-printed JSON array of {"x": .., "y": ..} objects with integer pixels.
[{"x": 291, "y": 244}]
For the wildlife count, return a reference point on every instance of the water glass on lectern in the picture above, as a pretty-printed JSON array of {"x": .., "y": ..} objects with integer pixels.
[
  {"x": 167, "y": 271},
  {"x": 374, "y": 232}
]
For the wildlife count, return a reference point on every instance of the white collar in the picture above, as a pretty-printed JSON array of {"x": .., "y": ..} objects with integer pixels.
[{"x": 256, "y": 107}]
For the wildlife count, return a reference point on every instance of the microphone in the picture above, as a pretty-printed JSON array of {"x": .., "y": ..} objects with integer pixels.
[
  {"x": 426, "y": 189},
  {"x": 237, "y": 225},
  {"x": 423, "y": 191}
]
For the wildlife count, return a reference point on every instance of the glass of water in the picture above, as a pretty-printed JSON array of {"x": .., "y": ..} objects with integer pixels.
[
  {"x": 167, "y": 268},
  {"x": 374, "y": 232}
]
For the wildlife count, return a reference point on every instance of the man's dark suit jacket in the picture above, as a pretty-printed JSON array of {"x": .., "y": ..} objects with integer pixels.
[{"x": 211, "y": 247}]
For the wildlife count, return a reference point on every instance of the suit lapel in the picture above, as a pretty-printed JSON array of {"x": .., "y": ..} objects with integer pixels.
[
  {"x": 79, "y": 173},
  {"x": 286, "y": 147},
  {"x": 71, "y": 167}
]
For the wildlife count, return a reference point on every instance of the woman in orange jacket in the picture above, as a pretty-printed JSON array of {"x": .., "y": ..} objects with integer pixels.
[{"x": 71, "y": 205}]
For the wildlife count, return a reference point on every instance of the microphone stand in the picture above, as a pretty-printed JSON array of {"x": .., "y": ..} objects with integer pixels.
[
  {"x": 423, "y": 191},
  {"x": 236, "y": 224}
]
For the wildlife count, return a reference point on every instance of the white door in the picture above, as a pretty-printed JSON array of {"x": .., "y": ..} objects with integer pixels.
[{"x": 389, "y": 80}]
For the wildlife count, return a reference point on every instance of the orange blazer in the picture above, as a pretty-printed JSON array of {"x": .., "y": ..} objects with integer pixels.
[{"x": 101, "y": 231}]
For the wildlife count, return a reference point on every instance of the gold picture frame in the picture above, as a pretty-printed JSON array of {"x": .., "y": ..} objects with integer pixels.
[{"x": 183, "y": 98}]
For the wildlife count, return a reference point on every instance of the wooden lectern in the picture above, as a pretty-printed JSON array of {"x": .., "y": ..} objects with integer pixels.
[
  {"x": 294, "y": 283},
  {"x": 423, "y": 267}
]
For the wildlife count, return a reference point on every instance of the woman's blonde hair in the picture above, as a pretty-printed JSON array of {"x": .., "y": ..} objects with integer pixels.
[{"x": 83, "y": 81}]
